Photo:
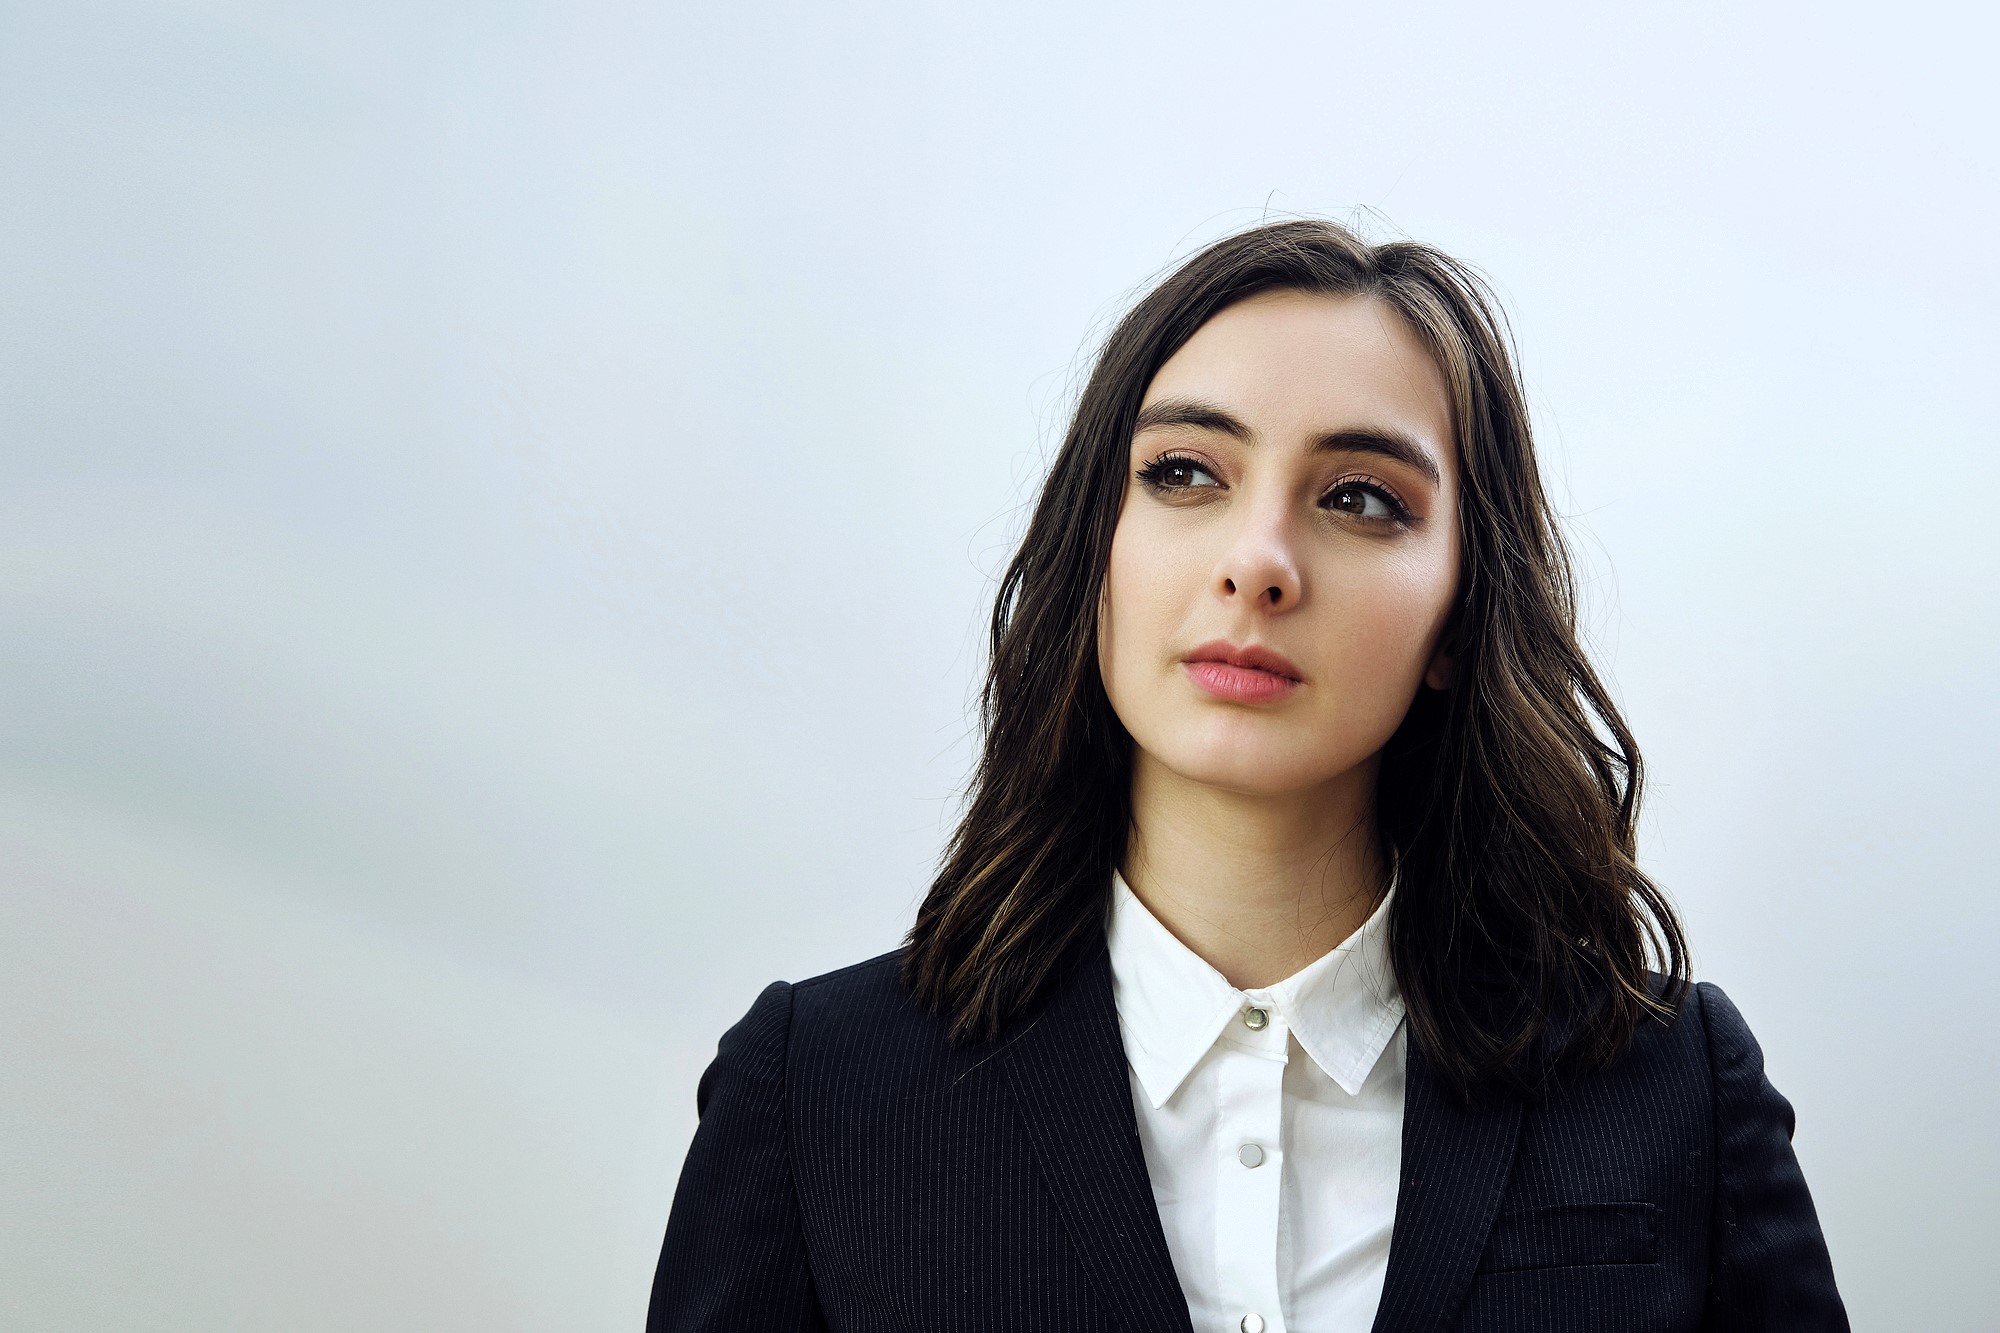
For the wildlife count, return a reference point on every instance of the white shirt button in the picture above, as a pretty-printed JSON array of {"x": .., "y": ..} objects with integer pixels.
[
  {"x": 1250, "y": 1155},
  {"x": 1256, "y": 1020},
  {"x": 1252, "y": 1323}
]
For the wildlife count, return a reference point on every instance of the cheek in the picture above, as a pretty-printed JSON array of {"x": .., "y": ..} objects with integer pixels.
[
  {"x": 1421, "y": 587},
  {"x": 1141, "y": 606},
  {"x": 1121, "y": 611},
  {"x": 1393, "y": 616}
]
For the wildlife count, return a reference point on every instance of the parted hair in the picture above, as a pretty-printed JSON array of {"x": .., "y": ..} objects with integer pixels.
[{"x": 1523, "y": 933}]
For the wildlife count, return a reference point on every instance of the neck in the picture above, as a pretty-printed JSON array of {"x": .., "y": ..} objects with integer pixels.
[{"x": 1258, "y": 886}]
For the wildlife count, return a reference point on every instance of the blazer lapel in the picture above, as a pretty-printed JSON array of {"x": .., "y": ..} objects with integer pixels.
[
  {"x": 1067, "y": 1070},
  {"x": 1455, "y": 1167}
]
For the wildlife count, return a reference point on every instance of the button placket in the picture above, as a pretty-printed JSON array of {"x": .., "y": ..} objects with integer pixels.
[{"x": 1247, "y": 1154}]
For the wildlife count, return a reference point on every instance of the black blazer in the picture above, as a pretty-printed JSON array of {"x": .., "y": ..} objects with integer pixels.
[{"x": 853, "y": 1172}]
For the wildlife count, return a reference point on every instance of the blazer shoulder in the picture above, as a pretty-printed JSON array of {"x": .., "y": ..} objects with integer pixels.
[
  {"x": 1721, "y": 1022},
  {"x": 869, "y": 972},
  {"x": 1702, "y": 1040},
  {"x": 761, "y": 1041},
  {"x": 1735, "y": 1060},
  {"x": 861, "y": 1027},
  {"x": 1771, "y": 1267},
  {"x": 872, "y": 989},
  {"x": 1676, "y": 1037}
]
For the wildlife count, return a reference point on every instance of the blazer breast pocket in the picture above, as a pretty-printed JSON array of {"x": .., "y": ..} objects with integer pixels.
[{"x": 1571, "y": 1235}]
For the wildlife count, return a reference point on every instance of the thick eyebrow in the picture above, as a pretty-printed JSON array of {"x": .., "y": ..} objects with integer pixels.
[
  {"x": 1369, "y": 440},
  {"x": 1385, "y": 443},
  {"x": 1191, "y": 412}
]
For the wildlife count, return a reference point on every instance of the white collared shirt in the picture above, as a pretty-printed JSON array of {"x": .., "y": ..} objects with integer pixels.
[{"x": 1272, "y": 1122}]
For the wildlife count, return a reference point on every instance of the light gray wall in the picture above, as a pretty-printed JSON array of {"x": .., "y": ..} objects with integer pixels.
[{"x": 497, "y": 503}]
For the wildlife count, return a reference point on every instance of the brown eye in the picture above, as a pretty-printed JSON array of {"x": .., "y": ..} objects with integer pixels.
[
  {"x": 1177, "y": 474},
  {"x": 1360, "y": 501}
]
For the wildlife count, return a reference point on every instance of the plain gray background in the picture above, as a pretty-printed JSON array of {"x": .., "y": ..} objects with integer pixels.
[{"x": 498, "y": 504}]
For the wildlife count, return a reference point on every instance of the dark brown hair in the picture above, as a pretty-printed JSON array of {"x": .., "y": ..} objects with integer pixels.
[{"x": 1522, "y": 928}]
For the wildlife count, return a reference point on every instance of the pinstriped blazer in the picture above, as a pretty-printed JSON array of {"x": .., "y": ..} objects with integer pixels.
[{"x": 853, "y": 1172}]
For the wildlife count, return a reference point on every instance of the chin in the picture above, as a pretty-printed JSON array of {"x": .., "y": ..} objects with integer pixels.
[
  {"x": 1247, "y": 767},
  {"x": 1245, "y": 784}
]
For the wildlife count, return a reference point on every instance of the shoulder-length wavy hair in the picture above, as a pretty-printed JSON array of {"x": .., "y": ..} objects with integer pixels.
[{"x": 1522, "y": 929}]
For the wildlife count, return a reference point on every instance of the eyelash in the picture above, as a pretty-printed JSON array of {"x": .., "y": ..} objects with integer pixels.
[{"x": 1153, "y": 475}]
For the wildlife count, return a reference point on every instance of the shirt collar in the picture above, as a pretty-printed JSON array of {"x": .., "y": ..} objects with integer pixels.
[{"x": 1172, "y": 1006}]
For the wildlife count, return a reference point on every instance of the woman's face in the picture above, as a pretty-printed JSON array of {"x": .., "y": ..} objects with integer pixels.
[{"x": 1287, "y": 550}]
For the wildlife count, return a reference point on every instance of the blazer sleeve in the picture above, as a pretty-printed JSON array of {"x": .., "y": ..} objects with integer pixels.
[
  {"x": 735, "y": 1254},
  {"x": 1769, "y": 1269}
]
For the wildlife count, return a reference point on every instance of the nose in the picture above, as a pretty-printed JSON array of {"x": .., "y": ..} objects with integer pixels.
[{"x": 1259, "y": 565}]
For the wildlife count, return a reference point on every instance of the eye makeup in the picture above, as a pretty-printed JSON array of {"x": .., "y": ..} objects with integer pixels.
[
  {"x": 1380, "y": 490},
  {"x": 1176, "y": 473},
  {"x": 1163, "y": 473}
]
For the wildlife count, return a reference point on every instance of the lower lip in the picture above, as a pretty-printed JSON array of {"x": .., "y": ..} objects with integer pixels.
[{"x": 1243, "y": 685}]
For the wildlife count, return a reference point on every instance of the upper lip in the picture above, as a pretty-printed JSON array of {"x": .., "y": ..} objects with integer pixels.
[{"x": 1250, "y": 655}]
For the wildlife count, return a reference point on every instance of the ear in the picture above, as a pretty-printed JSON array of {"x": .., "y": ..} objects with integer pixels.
[{"x": 1442, "y": 672}]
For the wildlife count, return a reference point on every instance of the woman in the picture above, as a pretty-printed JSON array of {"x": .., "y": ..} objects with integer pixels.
[{"x": 1290, "y": 966}]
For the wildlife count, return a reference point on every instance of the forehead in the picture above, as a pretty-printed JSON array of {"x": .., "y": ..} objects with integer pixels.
[{"x": 1287, "y": 362}]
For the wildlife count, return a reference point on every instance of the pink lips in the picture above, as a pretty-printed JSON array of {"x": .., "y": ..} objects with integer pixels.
[{"x": 1247, "y": 675}]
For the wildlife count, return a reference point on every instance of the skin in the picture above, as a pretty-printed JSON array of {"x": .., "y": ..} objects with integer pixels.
[{"x": 1253, "y": 832}]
